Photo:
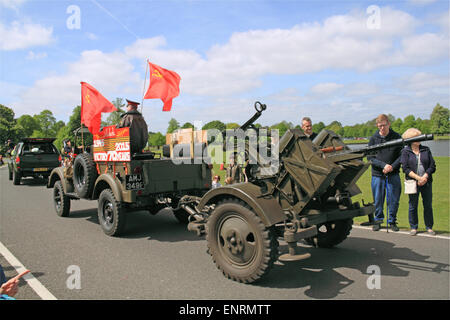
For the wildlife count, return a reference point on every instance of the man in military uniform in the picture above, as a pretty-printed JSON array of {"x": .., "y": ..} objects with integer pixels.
[
  {"x": 138, "y": 127},
  {"x": 307, "y": 128}
]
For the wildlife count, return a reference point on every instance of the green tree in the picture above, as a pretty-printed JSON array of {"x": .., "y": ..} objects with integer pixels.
[
  {"x": 113, "y": 118},
  {"x": 46, "y": 122},
  {"x": 7, "y": 126},
  {"x": 408, "y": 122},
  {"x": 282, "y": 127},
  {"x": 439, "y": 120},
  {"x": 232, "y": 125},
  {"x": 173, "y": 125},
  {"x": 317, "y": 127},
  {"x": 26, "y": 124},
  {"x": 187, "y": 125},
  {"x": 397, "y": 125},
  {"x": 156, "y": 139},
  {"x": 216, "y": 124}
]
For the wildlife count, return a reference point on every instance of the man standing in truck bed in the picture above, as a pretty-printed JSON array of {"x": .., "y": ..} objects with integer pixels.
[{"x": 138, "y": 127}]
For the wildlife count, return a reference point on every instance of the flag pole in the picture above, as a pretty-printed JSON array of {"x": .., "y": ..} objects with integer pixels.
[
  {"x": 145, "y": 82},
  {"x": 81, "y": 121}
]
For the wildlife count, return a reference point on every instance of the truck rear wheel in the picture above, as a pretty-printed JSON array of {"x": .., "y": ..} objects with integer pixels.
[
  {"x": 239, "y": 243},
  {"x": 60, "y": 200},
  {"x": 331, "y": 233},
  {"x": 84, "y": 175},
  {"x": 111, "y": 214}
]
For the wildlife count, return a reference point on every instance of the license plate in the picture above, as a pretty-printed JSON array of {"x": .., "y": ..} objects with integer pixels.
[
  {"x": 134, "y": 182},
  {"x": 39, "y": 169}
]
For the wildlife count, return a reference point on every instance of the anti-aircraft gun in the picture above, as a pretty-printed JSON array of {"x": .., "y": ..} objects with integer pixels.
[{"x": 307, "y": 195}]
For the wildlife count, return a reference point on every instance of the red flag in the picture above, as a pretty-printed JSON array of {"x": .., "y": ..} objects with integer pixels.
[
  {"x": 92, "y": 106},
  {"x": 164, "y": 84}
]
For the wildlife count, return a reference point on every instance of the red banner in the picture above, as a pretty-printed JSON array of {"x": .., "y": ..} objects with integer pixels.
[{"x": 112, "y": 144}]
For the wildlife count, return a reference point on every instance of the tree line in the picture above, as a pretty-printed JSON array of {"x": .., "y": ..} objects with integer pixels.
[{"x": 45, "y": 125}]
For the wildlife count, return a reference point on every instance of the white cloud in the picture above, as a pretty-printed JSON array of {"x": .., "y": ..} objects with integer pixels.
[
  {"x": 12, "y": 4},
  {"x": 91, "y": 36},
  {"x": 36, "y": 56},
  {"x": 421, "y": 2},
  {"x": 108, "y": 72},
  {"x": 326, "y": 88},
  {"x": 21, "y": 35}
]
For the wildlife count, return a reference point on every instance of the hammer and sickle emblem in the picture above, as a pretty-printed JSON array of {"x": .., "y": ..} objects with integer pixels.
[
  {"x": 157, "y": 74},
  {"x": 88, "y": 98}
]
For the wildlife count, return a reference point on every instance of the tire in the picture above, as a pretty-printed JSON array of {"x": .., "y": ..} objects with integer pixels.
[
  {"x": 111, "y": 214},
  {"x": 60, "y": 200},
  {"x": 331, "y": 233},
  {"x": 182, "y": 216},
  {"x": 16, "y": 177},
  {"x": 239, "y": 243},
  {"x": 84, "y": 175},
  {"x": 10, "y": 175}
]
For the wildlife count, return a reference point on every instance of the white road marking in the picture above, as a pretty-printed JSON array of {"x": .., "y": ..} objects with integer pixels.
[
  {"x": 420, "y": 234},
  {"x": 34, "y": 283}
]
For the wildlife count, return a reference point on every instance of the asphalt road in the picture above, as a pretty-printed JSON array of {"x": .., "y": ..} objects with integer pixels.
[{"x": 158, "y": 258}]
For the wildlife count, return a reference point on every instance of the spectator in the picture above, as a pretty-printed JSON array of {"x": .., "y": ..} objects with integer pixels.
[
  {"x": 418, "y": 164},
  {"x": 67, "y": 148},
  {"x": 216, "y": 182},
  {"x": 385, "y": 174},
  {"x": 307, "y": 128},
  {"x": 234, "y": 171},
  {"x": 1, "y": 160},
  {"x": 8, "y": 289}
]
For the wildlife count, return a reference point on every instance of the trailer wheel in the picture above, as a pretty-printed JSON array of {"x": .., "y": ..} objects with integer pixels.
[
  {"x": 331, "y": 233},
  {"x": 16, "y": 177},
  {"x": 84, "y": 175},
  {"x": 111, "y": 213},
  {"x": 60, "y": 200},
  {"x": 239, "y": 243}
]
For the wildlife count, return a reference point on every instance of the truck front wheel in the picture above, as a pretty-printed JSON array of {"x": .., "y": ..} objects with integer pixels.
[
  {"x": 60, "y": 200},
  {"x": 239, "y": 243},
  {"x": 111, "y": 213}
]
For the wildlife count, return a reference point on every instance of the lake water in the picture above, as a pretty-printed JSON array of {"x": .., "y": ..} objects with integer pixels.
[{"x": 439, "y": 148}]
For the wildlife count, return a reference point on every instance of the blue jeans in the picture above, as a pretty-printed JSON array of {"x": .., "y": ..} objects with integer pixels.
[
  {"x": 427, "y": 197},
  {"x": 394, "y": 190}
]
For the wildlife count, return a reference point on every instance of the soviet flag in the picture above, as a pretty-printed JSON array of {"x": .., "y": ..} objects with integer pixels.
[{"x": 164, "y": 84}]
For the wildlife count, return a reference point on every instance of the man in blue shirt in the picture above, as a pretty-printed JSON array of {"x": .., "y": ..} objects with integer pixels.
[{"x": 385, "y": 174}]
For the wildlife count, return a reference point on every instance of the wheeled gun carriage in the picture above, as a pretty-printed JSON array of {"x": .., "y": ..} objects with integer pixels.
[{"x": 309, "y": 197}]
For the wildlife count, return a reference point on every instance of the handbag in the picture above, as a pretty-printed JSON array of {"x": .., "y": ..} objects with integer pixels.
[{"x": 410, "y": 186}]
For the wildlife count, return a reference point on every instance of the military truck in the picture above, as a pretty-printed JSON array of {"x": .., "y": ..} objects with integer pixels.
[
  {"x": 124, "y": 182},
  {"x": 33, "y": 157}
]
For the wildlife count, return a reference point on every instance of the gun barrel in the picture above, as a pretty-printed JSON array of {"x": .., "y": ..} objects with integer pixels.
[{"x": 393, "y": 143}]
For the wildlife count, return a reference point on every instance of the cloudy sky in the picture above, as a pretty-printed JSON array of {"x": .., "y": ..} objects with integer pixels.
[{"x": 330, "y": 60}]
